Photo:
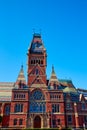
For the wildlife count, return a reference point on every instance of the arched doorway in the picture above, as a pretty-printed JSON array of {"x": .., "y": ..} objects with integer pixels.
[{"x": 37, "y": 122}]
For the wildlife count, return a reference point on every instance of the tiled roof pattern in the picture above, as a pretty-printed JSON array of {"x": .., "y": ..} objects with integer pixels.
[
  {"x": 6, "y": 84},
  {"x": 6, "y": 91},
  {"x": 37, "y": 44}
]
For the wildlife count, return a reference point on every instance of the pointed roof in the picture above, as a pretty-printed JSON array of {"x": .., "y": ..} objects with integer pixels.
[
  {"x": 53, "y": 77},
  {"x": 21, "y": 76},
  {"x": 37, "y": 44}
]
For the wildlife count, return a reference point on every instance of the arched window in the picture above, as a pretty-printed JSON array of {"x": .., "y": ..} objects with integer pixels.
[
  {"x": 39, "y": 62},
  {"x": 37, "y": 95},
  {"x": 37, "y": 102},
  {"x": 37, "y": 71},
  {"x": 7, "y": 110},
  {"x": 32, "y": 61}
]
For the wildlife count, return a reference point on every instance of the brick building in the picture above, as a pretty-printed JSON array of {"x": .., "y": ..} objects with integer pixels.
[{"x": 39, "y": 102}]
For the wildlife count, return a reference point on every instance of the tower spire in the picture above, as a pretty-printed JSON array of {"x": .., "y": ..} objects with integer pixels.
[
  {"x": 53, "y": 69},
  {"x": 53, "y": 78},
  {"x": 21, "y": 76}
]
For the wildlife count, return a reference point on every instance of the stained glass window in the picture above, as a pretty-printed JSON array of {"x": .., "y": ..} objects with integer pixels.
[
  {"x": 37, "y": 102},
  {"x": 37, "y": 95}
]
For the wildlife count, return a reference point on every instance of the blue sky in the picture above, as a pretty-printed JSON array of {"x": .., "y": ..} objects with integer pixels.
[{"x": 63, "y": 25}]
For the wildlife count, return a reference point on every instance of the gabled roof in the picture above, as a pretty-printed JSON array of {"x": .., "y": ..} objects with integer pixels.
[
  {"x": 21, "y": 76},
  {"x": 38, "y": 80}
]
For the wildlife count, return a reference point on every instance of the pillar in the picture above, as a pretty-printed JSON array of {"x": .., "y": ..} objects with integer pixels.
[{"x": 76, "y": 115}]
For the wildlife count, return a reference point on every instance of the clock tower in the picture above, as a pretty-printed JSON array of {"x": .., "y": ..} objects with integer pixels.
[{"x": 36, "y": 61}]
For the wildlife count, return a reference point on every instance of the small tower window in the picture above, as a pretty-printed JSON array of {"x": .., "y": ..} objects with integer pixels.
[
  {"x": 31, "y": 61},
  {"x": 37, "y": 71},
  {"x": 36, "y": 61},
  {"x": 41, "y": 61}
]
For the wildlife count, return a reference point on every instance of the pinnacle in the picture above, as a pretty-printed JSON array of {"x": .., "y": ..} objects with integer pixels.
[
  {"x": 53, "y": 77},
  {"x": 21, "y": 76}
]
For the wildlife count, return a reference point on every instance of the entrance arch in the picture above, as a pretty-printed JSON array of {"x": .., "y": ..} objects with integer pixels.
[{"x": 37, "y": 122}]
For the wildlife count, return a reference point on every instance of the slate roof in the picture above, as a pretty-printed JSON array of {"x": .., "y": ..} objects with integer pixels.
[
  {"x": 37, "y": 44},
  {"x": 6, "y": 91}
]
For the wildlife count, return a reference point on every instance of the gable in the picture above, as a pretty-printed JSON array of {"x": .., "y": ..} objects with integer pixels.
[
  {"x": 36, "y": 70},
  {"x": 38, "y": 80}
]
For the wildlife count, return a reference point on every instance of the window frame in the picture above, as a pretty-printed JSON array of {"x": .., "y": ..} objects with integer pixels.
[
  {"x": 20, "y": 121},
  {"x": 15, "y": 121},
  {"x": 69, "y": 117}
]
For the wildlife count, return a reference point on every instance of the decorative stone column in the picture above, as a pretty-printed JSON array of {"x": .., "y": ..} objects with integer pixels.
[
  {"x": 31, "y": 121},
  {"x": 32, "y": 124},
  {"x": 42, "y": 122},
  {"x": 2, "y": 109},
  {"x": 48, "y": 126},
  {"x": 76, "y": 115}
]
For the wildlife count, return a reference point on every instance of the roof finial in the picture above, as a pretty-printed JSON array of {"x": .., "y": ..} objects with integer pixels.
[
  {"x": 22, "y": 67},
  {"x": 52, "y": 69}
]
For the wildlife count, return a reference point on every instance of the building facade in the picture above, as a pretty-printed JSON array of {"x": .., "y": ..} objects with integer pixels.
[{"x": 39, "y": 102}]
